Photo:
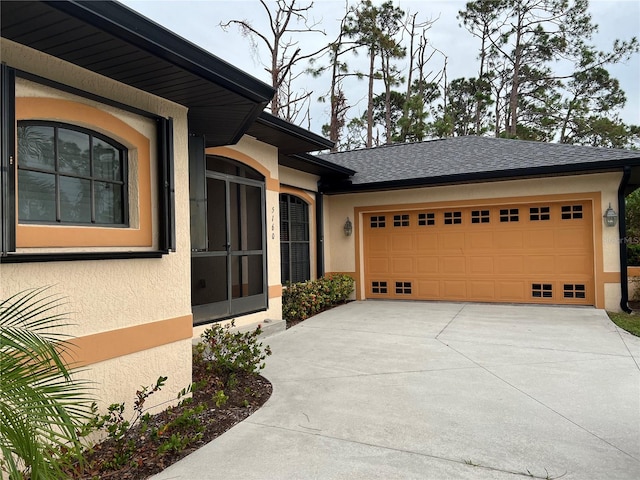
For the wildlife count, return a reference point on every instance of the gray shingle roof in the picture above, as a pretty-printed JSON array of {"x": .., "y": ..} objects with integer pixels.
[{"x": 474, "y": 157}]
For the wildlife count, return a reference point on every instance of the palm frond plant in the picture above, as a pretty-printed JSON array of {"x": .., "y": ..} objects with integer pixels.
[{"x": 42, "y": 405}]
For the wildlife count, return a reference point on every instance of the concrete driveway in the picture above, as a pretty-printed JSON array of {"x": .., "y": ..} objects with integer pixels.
[{"x": 420, "y": 390}]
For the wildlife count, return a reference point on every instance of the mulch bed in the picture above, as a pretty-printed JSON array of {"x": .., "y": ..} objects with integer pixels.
[{"x": 249, "y": 394}]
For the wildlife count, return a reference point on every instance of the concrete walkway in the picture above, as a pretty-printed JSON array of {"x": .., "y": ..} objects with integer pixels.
[{"x": 421, "y": 390}]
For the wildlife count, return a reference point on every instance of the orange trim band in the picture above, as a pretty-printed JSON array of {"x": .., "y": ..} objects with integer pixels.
[
  {"x": 275, "y": 291},
  {"x": 103, "y": 346},
  {"x": 37, "y": 108},
  {"x": 270, "y": 182},
  {"x": 610, "y": 277},
  {"x": 299, "y": 193},
  {"x": 633, "y": 271}
]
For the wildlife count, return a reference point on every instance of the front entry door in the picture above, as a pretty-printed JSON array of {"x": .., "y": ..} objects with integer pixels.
[{"x": 228, "y": 277}]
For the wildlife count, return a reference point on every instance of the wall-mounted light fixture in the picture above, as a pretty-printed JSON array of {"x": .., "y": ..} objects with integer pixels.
[
  {"x": 610, "y": 217},
  {"x": 348, "y": 227}
]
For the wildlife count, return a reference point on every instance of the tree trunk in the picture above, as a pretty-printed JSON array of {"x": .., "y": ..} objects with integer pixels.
[
  {"x": 483, "y": 56},
  {"x": 370, "y": 100},
  {"x": 515, "y": 80}
]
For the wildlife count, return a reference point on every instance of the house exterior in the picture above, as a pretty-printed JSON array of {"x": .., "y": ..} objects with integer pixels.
[
  {"x": 142, "y": 179},
  {"x": 484, "y": 220}
]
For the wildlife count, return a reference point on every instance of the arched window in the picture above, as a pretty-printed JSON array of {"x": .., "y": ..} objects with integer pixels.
[
  {"x": 70, "y": 175},
  {"x": 294, "y": 239}
]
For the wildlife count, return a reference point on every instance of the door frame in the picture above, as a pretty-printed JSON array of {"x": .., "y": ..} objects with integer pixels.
[{"x": 232, "y": 307}]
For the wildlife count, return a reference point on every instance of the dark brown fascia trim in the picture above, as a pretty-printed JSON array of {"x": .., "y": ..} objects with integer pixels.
[
  {"x": 318, "y": 141},
  {"x": 314, "y": 165}
]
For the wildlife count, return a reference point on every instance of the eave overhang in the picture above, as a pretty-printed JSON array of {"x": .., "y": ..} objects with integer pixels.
[
  {"x": 316, "y": 166},
  {"x": 289, "y": 138},
  {"x": 112, "y": 40}
]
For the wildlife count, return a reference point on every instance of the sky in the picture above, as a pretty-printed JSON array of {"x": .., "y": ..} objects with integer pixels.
[{"x": 198, "y": 21}]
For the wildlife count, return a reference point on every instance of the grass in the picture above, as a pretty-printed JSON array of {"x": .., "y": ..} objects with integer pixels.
[{"x": 626, "y": 321}]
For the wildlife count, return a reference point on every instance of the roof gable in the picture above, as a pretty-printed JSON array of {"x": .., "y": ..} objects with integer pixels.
[{"x": 464, "y": 159}]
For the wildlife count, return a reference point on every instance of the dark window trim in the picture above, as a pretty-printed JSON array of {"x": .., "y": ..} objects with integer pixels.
[
  {"x": 65, "y": 257},
  {"x": 7, "y": 160},
  {"x": 166, "y": 185},
  {"x": 167, "y": 233},
  {"x": 290, "y": 242},
  {"x": 197, "y": 323}
]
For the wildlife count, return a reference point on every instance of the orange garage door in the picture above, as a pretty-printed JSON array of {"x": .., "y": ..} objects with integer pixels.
[{"x": 530, "y": 253}]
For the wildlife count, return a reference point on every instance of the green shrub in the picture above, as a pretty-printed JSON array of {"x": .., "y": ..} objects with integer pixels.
[
  {"x": 633, "y": 254},
  {"x": 303, "y": 300},
  {"x": 233, "y": 352}
]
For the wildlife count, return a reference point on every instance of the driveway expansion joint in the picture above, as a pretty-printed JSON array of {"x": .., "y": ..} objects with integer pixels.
[
  {"x": 547, "y": 406},
  {"x": 451, "y": 321},
  {"x": 460, "y": 461},
  {"x": 619, "y": 330},
  {"x": 533, "y": 347}
]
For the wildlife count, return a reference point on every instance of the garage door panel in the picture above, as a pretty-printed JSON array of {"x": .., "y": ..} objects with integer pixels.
[
  {"x": 573, "y": 264},
  {"x": 538, "y": 239},
  {"x": 571, "y": 238},
  {"x": 377, "y": 266},
  {"x": 531, "y": 253},
  {"x": 481, "y": 240},
  {"x": 511, "y": 290},
  {"x": 481, "y": 265},
  {"x": 482, "y": 290},
  {"x": 454, "y": 289},
  {"x": 426, "y": 241},
  {"x": 451, "y": 240},
  {"x": 402, "y": 266},
  {"x": 509, "y": 240},
  {"x": 402, "y": 243},
  {"x": 453, "y": 265},
  {"x": 378, "y": 244},
  {"x": 540, "y": 264},
  {"x": 428, "y": 289},
  {"x": 427, "y": 265},
  {"x": 510, "y": 264}
]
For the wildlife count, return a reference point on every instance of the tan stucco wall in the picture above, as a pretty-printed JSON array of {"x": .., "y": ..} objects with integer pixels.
[
  {"x": 340, "y": 250},
  {"x": 295, "y": 178},
  {"x": 107, "y": 295}
]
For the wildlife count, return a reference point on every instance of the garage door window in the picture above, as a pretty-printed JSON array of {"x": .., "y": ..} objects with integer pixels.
[
  {"x": 379, "y": 287},
  {"x": 539, "y": 213},
  {"x": 378, "y": 222},
  {"x": 403, "y": 288},
  {"x": 509, "y": 215},
  {"x": 452, "y": 218},
  {"x": 542, "y": 290},
  {"x": 480, "y": 216},
  {"x": 570, "y": 212},
  {"x": 401, "y": 220},
  {"x": 574, "y": 290},
  {"x": 426, "y": 219}
]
